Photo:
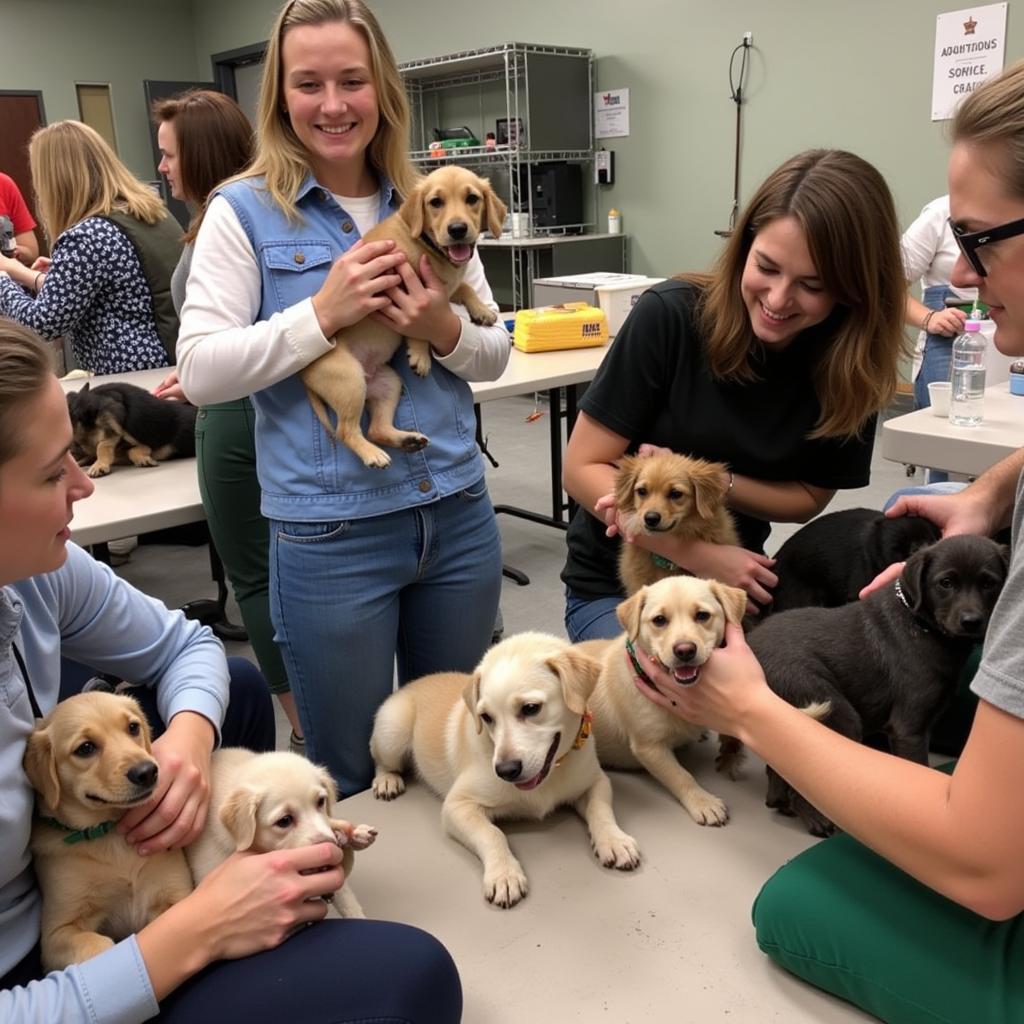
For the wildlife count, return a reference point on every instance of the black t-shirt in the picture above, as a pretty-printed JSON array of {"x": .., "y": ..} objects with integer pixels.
[{"x": 654, "y": 386}]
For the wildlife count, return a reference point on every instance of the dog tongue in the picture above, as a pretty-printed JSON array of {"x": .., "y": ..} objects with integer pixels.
[
  {"x": 686, "y": 674},
  {"x": 460, "y": 253}
]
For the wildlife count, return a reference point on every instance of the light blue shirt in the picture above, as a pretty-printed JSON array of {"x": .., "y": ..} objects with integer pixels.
[{"x": 85, "y": 612}]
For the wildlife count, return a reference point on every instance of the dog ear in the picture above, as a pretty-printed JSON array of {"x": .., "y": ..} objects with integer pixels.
[
  {"x": 913, "y": 576},
  {"x": 629, "y": 612},
  {"x": 471, "y": 695},
  {"x": 494, "y": 209},
  {"x": 578, "y": 673},
  {"x": 85, "y": 387},
  {"x": 732, "y": 599},
  {"x": 40, "y": 765},
  {"x": 238, "y": 816},
  {"x": 411, "y": 210},
  {"x": 327, "y": 781},
  {"x": 625, "y": 481},
  {"x": 708, "y": 489}
]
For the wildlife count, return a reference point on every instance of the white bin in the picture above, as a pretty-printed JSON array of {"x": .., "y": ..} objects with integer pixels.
[{"x": 616, "y": 300}]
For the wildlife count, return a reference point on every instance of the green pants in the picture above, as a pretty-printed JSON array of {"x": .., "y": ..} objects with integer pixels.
[
  {"x": 226, "y": 455},
  {"x": 846, "y": 920}
]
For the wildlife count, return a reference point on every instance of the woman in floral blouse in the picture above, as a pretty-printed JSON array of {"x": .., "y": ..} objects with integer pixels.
[{"x": 106, "y": 288}]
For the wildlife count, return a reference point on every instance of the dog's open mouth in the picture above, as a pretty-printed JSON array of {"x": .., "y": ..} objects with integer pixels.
[
  {"x": 459, "y": 253},
  {"x": 686, "y": 675},
  {"x": 138, "y": 798},
  {"x": 548, "y": 761}
]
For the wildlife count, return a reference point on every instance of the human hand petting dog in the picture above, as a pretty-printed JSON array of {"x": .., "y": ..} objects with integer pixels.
[
  {"x": 731, "y": 687},
  {"x": 420, "y": 308},
  {"x": 175, "y": 814},
  {"x": 357, "y": 285},
  {"x": 170, "y": 389}
]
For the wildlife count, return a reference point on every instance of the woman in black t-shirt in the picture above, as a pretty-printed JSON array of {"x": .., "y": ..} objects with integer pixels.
[{"x": 776, "y": 364}]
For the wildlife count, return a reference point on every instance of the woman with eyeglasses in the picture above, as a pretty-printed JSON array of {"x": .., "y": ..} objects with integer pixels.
[{"x": 915, "y": 914}]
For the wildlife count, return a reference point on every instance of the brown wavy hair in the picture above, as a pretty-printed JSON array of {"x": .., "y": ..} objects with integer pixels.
[
  {"x": 994, "y": 115},
  {"x": 215, "y": 141},
  {"x": 848, "y": 217},
  {"x": 77, "y": 175},
  {"x": 26, "y": 366},
  {"x": 281, "y": 158}
]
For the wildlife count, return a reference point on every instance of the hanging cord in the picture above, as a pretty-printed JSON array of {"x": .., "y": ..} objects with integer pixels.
[{"x": 736, "y": 94}]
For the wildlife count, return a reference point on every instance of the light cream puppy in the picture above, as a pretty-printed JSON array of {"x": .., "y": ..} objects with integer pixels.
[
  {"x": 90, "y": 760},
  {"x": 679, "y": 621},
  {"x": 274, "y": 801},
  {"x": 508, "y": 741}
]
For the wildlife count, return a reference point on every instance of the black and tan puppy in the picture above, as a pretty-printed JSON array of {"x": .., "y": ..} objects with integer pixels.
[
  {"x": 887, "y": 664},
  {"x": 829, "y": 561},
  {"x": 90, "y": 760},
  {"x": 441, "y": 218},
  {"x": 124, "y": 423}
]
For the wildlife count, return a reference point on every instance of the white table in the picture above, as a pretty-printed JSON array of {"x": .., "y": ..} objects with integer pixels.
[
  {"x": 923, "y": 439},
  {"x": 131, "y": 501}
]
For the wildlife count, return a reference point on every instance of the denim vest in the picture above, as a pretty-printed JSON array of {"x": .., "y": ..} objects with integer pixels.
[{"x": 305, "y": 474}]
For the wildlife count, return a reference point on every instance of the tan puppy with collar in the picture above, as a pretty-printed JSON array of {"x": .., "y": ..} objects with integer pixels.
[
  {"x": 90, "y": 760},
  {"x": 508, "y": 741},
  {"x": 677, "y": 621}
]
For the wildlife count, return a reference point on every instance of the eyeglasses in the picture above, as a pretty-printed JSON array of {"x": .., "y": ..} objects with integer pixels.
[{"x": 971, "y": 241}]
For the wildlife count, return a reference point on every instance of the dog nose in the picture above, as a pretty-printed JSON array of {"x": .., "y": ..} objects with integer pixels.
[
  {"x": 142, "y": 774},
  {"x": 685, "y": 652},
  {"x": 457, "y": 229},
  {"x": 509, "y": 770},
  {"x": 972, "y": 622},
  {"x": 652, "y": 519}
]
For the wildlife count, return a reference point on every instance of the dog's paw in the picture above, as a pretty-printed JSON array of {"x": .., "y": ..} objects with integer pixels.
[
  {"x": 483, "y": 315},
  {"x": 375, "y": 458},
  {"x": 420, "y": 362},
  {"x": 506, "y": 886},
  {"x": 96, "y": 469},
  {"x": 362, "y": 836},
  {"x": 415, "y": 442},
  {"x": 144, "y": 461},
  {"x": 388, "y": 785},
  {"x": 617, "y": 850},
  {"x": 706, "y": 809}
]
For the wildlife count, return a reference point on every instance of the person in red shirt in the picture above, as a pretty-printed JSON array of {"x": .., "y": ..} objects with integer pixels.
[{"x": 14, "y": 206}]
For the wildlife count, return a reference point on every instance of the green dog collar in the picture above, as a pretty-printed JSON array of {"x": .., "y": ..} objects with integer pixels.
[
  {"x": 663, "y": 563},
  {"x": 77, "y": 835}
]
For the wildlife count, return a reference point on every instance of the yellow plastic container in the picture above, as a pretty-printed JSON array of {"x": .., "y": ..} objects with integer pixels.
[{"x": 570, "y": 325}]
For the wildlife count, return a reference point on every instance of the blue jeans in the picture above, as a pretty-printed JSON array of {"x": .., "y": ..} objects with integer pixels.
[
  {"x": 935, "y": 363},
  {"x": 348, "y": 596},
  {"x": 591, "y": 618}
]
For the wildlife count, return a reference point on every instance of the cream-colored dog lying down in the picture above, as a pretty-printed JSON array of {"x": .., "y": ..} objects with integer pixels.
[
  {"x": 275, "y": 801},
  {"x": 678, "y": 621},
  {"x": 508, "y": 741}
]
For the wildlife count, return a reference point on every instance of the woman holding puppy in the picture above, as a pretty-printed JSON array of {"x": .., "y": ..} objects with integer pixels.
[
  {"x": 925, "y": 920},
  {"x": 366, "y": 564},
  {"x": 776, "y": 364},
  {"x": 55, "y": 599}
]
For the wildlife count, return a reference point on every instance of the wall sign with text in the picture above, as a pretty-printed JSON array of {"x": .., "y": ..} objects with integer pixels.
[{"x": 969, "y": 49}]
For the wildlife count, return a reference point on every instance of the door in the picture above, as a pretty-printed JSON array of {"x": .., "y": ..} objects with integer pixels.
[
  {"x": 21, "y": 113},
  {"x": 156, "y": 90}
]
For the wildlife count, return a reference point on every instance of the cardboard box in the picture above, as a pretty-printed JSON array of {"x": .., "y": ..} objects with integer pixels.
[{"x": 622, "y": 292}]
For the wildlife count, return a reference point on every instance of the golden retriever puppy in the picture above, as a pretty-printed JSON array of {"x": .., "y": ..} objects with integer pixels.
[
  {"x": 274, "y": 801},
  {"x": 672, "y": 494},
  {"x": 678, "y": 622},
  {"x": 508, "y": 741},
  {"x": 441, "y": 218},
  {"x": 90, "y": 760}
]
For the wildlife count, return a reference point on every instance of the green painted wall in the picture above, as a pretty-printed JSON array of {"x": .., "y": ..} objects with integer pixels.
[
  {"x": 824, "y": 73},
  {"x": 49, "y": 45}
]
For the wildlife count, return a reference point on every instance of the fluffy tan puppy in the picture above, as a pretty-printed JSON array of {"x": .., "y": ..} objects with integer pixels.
[
  {"x": 670, "y": 494},
  {"x": 441, "y": 218},
  {"x": 508, "y": 741},
  {"x": 678, "y": 621},
  {"x": 90, "y": 760},
  {"x": 274, "y": 801}
]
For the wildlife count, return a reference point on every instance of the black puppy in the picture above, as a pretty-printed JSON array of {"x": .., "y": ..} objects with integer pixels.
[
  {"x": 114, "y": 422},
  {"x": 888, "y": 663},
  {"x": 826, "y": 563}
]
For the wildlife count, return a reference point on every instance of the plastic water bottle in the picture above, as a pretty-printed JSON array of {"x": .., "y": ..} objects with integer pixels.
[{"x": 968, "y": 377}]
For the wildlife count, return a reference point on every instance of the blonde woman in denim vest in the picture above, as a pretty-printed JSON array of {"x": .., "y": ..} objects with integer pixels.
[{"x": 367, "y": 565}]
